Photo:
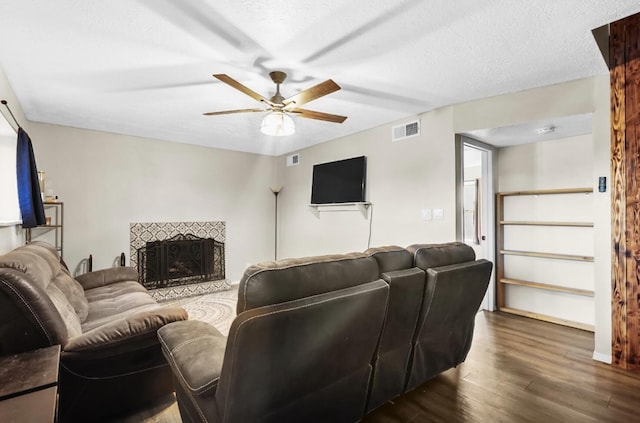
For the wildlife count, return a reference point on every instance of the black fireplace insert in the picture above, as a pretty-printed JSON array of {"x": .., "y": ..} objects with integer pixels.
[{"x": 180, "y": 260}]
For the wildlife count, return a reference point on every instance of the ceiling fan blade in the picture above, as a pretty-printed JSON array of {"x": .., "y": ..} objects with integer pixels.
[
  {"x": 310, "y": 94},
  {"x": 238, "y": 86},
  {"x": 228, "y": 112},
  {"x": 312, "y": 114}
]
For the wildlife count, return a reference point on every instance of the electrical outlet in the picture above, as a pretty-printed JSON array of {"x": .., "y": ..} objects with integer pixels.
[
  {"x": 427, "y": 214},
  {"x": 438, "y": 214}
]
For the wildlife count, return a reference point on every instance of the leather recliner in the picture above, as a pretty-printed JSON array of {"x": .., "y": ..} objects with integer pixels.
[
  {"x": 455, "y": 285},
  {"x": 300, "y": 349}
]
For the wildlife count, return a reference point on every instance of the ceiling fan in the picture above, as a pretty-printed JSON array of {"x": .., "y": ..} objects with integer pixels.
[{"x": 278, "y": 122}]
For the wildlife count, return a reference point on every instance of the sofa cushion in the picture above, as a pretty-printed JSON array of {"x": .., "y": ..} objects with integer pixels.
[
  {"x": 107, "y": 276},
  {"x": 286, "y": 280},
  {"x": 426, "y": 256},
  {"x": 37, "y": 268},
  {"x": 73, "y": 291},
  {"x": 183, "y": 344},
  {"x": 127, "y": 334},
  {"x": 117, "y": 289},
  {"x": 115, "y": 301},
  {"x": 391, "y": 258},
  {"x": 66, "y": 310},
  {"x": 195, "y": 352}
]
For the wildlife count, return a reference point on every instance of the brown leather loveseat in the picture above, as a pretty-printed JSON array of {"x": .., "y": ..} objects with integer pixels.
[
  {"x": 330, "y": 338},
  {"x": 104, "y": 321}
]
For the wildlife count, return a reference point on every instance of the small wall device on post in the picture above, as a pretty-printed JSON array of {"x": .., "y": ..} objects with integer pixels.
[{"x": 602, "y": 184}]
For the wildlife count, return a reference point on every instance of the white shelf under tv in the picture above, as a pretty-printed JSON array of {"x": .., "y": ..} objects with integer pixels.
[{"x": 362, "y": 207}]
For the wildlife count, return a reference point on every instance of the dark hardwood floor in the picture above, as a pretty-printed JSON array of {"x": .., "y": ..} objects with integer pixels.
[
  {"x": 522, "y": 370},
  {"x": 518, "y": 370}
]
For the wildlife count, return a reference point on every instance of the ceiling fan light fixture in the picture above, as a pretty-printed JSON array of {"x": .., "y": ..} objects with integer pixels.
[{"x": 277, "y": 124}]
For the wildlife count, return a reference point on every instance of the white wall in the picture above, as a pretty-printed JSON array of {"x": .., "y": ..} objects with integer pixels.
[
  {"x": 9, "y": 206},
  {"x": 569, "y": 98},
  {"x": 108, "y": 181},
  {"x": 406, "y": 176},
  {"x": 402, "y": 178},
  {"x": 560, "y": 163},
  {"x": 602, "y": 218},
  {"x": 10, "y": 236},
  {"x": 589, "y": 95}
]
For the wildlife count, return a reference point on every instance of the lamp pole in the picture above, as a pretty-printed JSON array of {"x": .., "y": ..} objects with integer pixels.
[{"x": 276, "y": 190}]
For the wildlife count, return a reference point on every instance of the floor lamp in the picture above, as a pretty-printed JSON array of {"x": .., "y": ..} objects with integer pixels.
[{"x": 276, "y": 190}]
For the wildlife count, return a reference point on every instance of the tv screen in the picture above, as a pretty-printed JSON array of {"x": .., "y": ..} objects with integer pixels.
[{"x": 342, "y": 181}]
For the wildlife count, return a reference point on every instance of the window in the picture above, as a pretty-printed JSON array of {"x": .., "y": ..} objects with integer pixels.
[{"x": 9, "y": 205}]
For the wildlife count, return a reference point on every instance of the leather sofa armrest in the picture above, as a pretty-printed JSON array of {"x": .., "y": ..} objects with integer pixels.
[
  {"x": 195, "y": 351},
  {"x": 122, "y": 334},
  {"x": 403, "y": 274},
  {"x": 107, "y": 277},
  {"x": 406, "y": 290}
]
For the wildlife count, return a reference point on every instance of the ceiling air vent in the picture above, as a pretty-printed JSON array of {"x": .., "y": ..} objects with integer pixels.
[
  {"x": 406, "y": 130},
  {"x": 293, "y": 160}
]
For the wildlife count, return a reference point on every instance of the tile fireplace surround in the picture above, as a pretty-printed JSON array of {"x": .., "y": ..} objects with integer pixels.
[{"x": 141, "y": 232}]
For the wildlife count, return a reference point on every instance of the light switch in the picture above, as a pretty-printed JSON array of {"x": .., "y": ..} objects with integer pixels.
[
  {"x": 426, "y": 214},
  {"x": 438, "y": 214}
]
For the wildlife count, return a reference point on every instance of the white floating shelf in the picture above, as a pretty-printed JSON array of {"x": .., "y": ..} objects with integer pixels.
[{"x": 362, "y": 207}]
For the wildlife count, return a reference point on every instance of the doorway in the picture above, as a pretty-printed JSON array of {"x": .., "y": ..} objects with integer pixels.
[{"x": 475, "y": 223}]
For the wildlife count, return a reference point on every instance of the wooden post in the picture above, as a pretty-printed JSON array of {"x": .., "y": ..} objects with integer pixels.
[{"x": 624, "y": 48}]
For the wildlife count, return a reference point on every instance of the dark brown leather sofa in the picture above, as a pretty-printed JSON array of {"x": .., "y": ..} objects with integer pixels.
[
  {"x": 329, "y": 338},
  {"x": 104, "y": 321}
]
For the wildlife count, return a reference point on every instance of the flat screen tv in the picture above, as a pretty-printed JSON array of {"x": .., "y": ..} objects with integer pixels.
[{"x": 342, "y": 181}]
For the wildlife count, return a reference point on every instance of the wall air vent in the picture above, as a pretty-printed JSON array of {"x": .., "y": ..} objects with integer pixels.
[
  {"x": 406, "y": 130},
  {"x": 293, "y": 160}
]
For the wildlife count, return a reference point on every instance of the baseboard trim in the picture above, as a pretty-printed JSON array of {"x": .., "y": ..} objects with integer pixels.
[{"x": 605, "y": 358}]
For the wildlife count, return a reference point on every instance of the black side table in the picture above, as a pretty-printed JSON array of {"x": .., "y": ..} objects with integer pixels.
[{"x": 29, "y": 388}]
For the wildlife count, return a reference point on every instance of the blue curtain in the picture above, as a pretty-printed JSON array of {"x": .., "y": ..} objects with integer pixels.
[{"x": 28, "y": 186}]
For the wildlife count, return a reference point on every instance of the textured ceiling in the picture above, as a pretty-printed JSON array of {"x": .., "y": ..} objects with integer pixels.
[{"x": 144, "y": 67}]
